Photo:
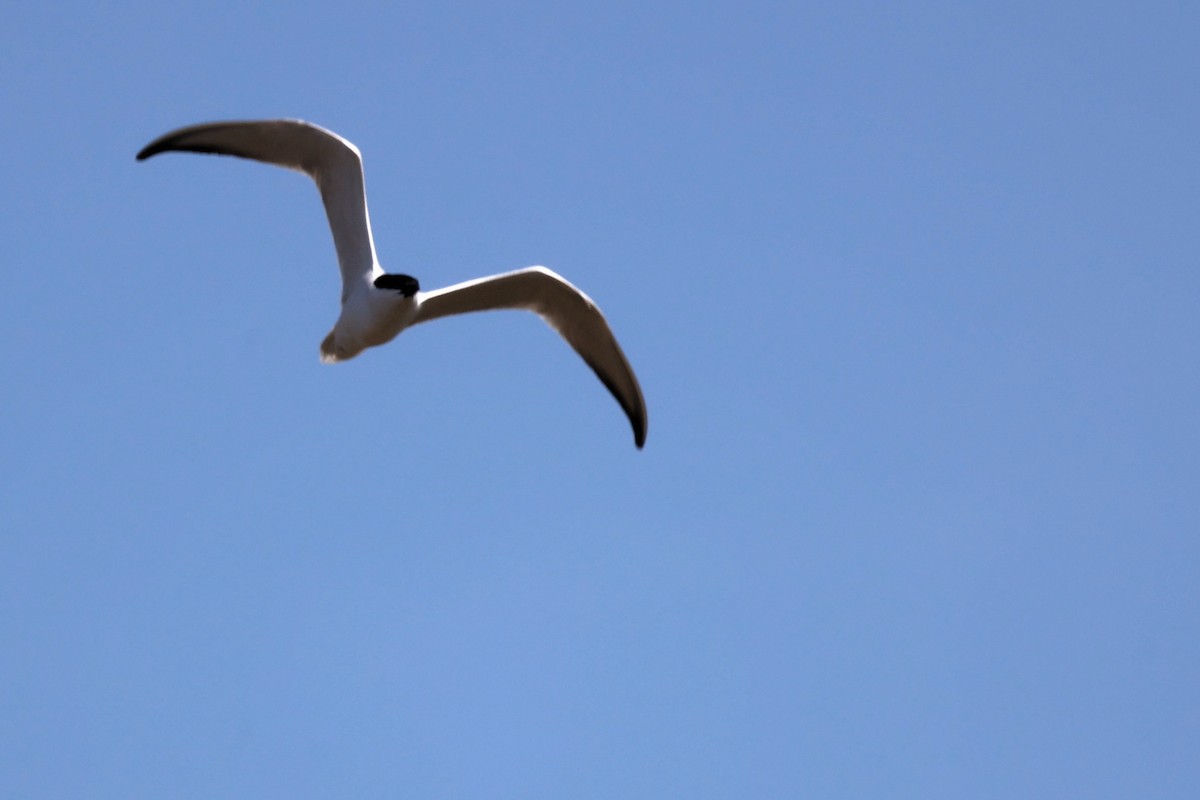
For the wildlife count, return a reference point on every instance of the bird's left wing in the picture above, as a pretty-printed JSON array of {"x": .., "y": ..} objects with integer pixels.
[{"x": 332, "y": 162}]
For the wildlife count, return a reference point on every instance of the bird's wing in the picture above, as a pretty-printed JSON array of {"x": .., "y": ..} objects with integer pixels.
[
  {"x": 565, "y": 309},
  {"x": 331, "y": 161}
]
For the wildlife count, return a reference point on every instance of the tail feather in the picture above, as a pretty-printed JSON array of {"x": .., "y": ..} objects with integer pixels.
[{"x": 329, "y": 353}]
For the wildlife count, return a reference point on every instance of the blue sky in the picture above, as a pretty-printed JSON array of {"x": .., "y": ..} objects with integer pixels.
[{"x": 912, "y": 295}]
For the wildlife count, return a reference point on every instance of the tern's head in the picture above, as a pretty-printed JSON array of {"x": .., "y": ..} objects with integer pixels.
[{"x": 406, "y": 285}]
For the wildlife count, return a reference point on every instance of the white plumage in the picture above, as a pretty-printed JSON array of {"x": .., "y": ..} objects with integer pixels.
[{"x": 377, "y": 306}]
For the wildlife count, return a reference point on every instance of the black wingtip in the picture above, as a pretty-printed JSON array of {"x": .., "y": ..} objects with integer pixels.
[
  {"x": 181, "y": 141},
  {"x": 159, "y": 145},
  {"x": 638, "y": 421},
  {"x": 639, "y": 432},
  {"x": 168, "y": 141},
  {"x": 637, "y": 418}
]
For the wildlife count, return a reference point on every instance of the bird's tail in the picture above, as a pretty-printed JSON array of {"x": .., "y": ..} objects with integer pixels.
[{"x": 329, "y": 353}]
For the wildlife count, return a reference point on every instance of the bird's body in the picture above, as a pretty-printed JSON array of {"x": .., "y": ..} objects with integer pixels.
[
  {"x": 370, "y": 317},
  {"x": 377, "y": 306}
]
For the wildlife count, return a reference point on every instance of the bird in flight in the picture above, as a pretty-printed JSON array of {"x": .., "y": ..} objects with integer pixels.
[{"x": 376, "y": 305}]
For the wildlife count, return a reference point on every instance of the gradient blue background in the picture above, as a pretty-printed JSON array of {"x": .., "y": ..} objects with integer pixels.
[{"x": 913, "y": 296}]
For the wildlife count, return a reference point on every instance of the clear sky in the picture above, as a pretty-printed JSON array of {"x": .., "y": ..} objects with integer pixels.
[{"x": 912, "y": 292}]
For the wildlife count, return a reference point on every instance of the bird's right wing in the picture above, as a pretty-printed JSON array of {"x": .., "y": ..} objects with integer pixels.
[
  {"x": 331, "y": 161},
  {"x": 565, "y": 309}
]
